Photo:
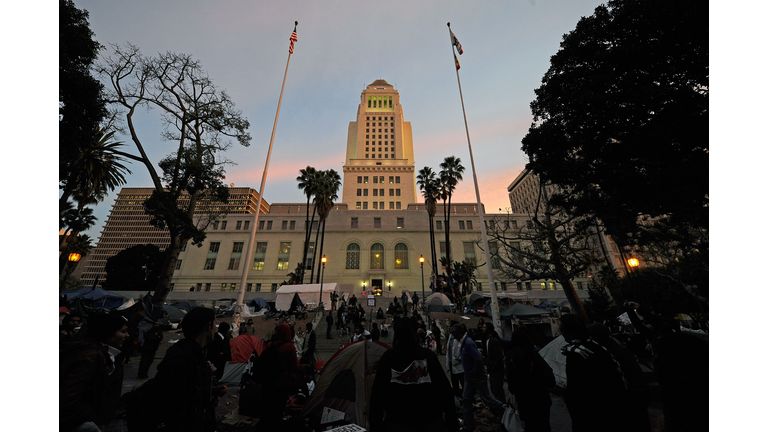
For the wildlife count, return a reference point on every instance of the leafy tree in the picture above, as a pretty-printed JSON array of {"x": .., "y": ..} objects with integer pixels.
[
  {"x": 307, "y": 183},
  {"x": 95, "y": 170},
  {"x": 662, "y": 294},
  {"x": 553, "y": 245},
  {"x": 327, "y": 187},
  {"x": 295, "y": 277},
  {"x": 136, "y": 268},
  {"x": 429, "y": 185},
  {"x": 464, "y": 276},
  {"x": 450, "y": 175},
  {"x": 81, "y": 103},
  {"x": 199, "y": 119},
  {"x": 621, "y": 120}
]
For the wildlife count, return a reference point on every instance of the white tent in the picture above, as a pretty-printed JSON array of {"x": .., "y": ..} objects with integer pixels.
[{"x": 308, "y": 293}]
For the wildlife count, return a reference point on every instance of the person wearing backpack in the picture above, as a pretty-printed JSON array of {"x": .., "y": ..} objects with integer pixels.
[
  {"x": 180, "y": 397},
  {"x": 277, "y": 372},
  {"x": 529, "y": 378}
]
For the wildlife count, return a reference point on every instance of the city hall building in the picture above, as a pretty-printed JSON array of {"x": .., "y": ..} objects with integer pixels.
[{"x": 373, "y": 237}]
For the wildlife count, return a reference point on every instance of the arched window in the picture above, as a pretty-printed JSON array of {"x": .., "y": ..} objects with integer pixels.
[
  {"x": 377, "y": 257},
  {"x": 353, "y": 256},
  {"x": 401, "y": 256}
]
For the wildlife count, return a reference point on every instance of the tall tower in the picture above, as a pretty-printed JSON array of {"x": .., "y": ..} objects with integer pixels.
[{"x": 379, "y": 173}]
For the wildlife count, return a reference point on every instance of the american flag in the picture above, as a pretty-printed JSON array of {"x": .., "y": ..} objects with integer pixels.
[
  {"x": 294, "y": 39},
  {"x": 456, "y": 44}
]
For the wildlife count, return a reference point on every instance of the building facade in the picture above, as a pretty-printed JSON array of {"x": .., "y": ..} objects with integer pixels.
[{"x": 128, "y": 225}]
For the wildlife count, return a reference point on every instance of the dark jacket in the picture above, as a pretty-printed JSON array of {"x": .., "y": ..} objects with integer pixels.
[
  {"x": 83, "y": 373},
  {"x": 185, "y": 378},
  {"x": 310, "y": 341},
  {"x": 152, "y": 339},
  {"x": 596, "y": 391},
  {"x": 471, "y": 359},
  {"x": 412, "y": 391},
  {"x": 288, "y": 364}
]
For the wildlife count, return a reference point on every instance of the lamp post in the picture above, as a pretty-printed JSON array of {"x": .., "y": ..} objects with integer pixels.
[
  {"x": 421, "y": 261},
  {"x": 322, "y": 273},
  {"x": 363, "y": 289},
  {"x": 74, "y": 257}
]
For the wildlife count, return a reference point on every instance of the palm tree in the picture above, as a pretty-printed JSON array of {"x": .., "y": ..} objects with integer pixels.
[
  {"x": 75, "y": 221},
  {"x": 96, "y": 170},
  {"x": 326, "y": 193},
  {"x": 307, "y": 183},
  {"x": 429, "y": 186},
  {"x": 450, "y": 175}
]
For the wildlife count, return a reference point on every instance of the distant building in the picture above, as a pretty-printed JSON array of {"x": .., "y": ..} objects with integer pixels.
[
  {"x": 523, "y": 193},
  {"x": 127, "y": 225}
]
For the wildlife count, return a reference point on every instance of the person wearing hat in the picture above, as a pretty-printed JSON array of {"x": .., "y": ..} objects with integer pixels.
[{"x": 91, "y": 374}]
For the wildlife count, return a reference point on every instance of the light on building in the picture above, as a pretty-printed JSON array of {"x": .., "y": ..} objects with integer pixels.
[
  {"x": 74, "y": 257},
  {"x": 633, "y": 262}
]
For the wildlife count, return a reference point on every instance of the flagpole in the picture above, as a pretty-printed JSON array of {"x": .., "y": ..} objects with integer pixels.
[
  {"x": 249, "y": 254},
  {"x": 494, "y": 300}
]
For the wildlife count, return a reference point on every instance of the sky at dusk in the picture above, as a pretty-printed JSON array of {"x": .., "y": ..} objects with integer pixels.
[{"x": 343, "y": 46}]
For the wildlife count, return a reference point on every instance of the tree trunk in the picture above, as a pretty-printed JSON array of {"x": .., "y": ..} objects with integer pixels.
[
  {"x": 317, "y": 234},
  {"x": 307, "y": 227},
  {"x": 447, "y": 236},
  {"x": 163, "y": 286}
]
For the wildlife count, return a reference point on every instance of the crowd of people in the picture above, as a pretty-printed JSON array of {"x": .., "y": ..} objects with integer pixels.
[{"x": 606, "y": 388}]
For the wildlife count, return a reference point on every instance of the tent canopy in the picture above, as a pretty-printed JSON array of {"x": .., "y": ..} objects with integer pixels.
[
  {"x": 438, "y": 302},
  {"x": 101, "y": 298},
  {"x": 308, "y": 293},
  {"x": 186, "y": 305},
  {"x": 522, "y": 311},
  {"x": 345, "y": 383},
  {"x": 174, "y": 314},
  {"x": 258, "y": 304}
]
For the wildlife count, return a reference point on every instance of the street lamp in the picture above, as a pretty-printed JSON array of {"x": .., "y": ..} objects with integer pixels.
[
  {"x": 74, "y": 257},
  {"x": 322, "y": 273},
  {"x": 421, "y": 261},
  {"x": 363, "y": 288},
  {"x": 633, "y": 262}
]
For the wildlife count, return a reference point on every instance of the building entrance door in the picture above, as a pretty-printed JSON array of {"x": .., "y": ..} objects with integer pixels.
[{"x": 376, "y": 283}]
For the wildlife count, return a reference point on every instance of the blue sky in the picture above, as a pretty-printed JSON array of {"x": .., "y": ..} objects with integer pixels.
[{"x": 342, "y": 47}]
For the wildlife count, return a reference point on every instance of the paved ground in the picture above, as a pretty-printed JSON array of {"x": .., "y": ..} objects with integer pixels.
[{"x": 560, "y": 420}]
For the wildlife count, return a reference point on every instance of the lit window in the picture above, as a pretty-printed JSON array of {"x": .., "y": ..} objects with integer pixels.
[
  {"x": 391, "y": 179},
  {"x": 377, "y": 256},
  {"x": 401, "y": 256},
  {"x": 400, "y": 222},
  {"x": 282, "y": 255},
  {"x": 258, "y": 255},
  {"x": 358, "y": 205}
]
